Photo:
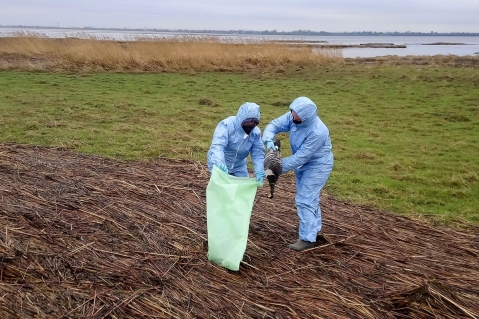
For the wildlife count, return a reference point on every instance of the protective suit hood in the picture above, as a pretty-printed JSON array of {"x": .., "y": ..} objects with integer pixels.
[
  {"x": 245, "y": 111},
  {"x": 306, "y": 110},
  {"x": 231, "y": 145}
]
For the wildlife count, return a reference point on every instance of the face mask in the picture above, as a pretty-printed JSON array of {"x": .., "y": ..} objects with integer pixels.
[
  {"x": 249, "y": 124},
  {"x": 247, "y": 129},
  {"x": 296, "y": 121}
]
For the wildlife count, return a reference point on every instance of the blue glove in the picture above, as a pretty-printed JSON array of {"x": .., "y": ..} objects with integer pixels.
[
  {"x": 260, "y": 176},
  {"x": 270, "y": 145},
  {"x": 222, "y": 166}
]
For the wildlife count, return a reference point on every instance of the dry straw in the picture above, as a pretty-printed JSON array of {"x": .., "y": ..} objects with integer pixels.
[
  {"x": 176, "y": 53},
  {"x": 88, "y": 237}
]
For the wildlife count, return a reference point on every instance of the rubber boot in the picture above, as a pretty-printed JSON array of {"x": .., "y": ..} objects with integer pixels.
[{"x": 301, "y": 245}]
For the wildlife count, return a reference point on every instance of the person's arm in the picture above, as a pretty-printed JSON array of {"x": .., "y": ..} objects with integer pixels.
[
  {"x": 278, "y": 125},
  {"x": 257, "y": 154},
  {"x": 218, "y": 144},
  {"x": 311, "y": 145}
]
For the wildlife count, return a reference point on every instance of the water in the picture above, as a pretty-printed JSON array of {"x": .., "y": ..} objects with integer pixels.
[{"x": 415, "y": 45}]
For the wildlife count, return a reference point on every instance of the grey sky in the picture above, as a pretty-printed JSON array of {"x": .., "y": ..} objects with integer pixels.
[{"x": 281, "y": 15}]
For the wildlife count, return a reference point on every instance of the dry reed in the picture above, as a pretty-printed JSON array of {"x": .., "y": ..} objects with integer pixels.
[
  {"x": 88, "y": 237},
  {"x": 179, "y": 53}
]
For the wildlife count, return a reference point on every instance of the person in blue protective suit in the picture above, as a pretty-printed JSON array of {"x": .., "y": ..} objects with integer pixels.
[
  {"x": 312, "y": 162},
  {"x": 234, "y": 139}
]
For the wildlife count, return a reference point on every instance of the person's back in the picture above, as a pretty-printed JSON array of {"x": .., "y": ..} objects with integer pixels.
[{"x": 324, "y": 155}]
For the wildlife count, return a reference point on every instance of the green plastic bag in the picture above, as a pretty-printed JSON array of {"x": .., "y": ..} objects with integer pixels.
[{"x": 229, "y": 202}]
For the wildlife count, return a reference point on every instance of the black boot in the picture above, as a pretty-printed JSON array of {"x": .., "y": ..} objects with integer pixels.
[{"x": 301, "y": 245}]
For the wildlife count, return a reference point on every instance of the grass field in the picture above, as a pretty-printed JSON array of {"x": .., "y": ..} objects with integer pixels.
[{"x": 405, "y": 138}]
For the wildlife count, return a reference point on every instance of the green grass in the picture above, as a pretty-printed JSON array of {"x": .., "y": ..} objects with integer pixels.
[{"x": 405, "y": 139}]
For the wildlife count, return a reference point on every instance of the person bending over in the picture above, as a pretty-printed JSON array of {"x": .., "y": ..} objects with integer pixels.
[
  {"x": 234, "y": 139},
  {"x": 312, "y": 162}
]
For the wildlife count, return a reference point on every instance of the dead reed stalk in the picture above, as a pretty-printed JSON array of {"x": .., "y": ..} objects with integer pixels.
[
  {"x": 83, "y": 236},
  {"x": 180, "y": 53}
]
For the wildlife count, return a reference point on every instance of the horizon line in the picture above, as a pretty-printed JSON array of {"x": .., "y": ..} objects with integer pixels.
[{"x": 240, "y": 31}]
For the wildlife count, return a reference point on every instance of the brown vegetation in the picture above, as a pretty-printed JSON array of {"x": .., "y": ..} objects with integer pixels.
[
  {"x": 88, "y": 237},
  {"x": 414, "y": 60},
  {"x": 158, "y": 54},
  {"x": 34, "y": 52}
]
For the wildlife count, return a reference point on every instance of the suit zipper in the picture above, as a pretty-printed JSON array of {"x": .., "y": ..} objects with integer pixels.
[{"x": 236, "y": 155}]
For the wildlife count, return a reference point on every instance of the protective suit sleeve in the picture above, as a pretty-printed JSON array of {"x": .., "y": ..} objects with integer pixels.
[
  {"x": 257, "y": 154},
  {"x": 218, "y": 145},
  {"x": 278, "y": 125},
  {"x": 311, "y": 145}
]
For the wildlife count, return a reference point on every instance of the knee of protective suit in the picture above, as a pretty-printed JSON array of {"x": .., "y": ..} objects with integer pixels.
[{"x": 306, "y": 200}]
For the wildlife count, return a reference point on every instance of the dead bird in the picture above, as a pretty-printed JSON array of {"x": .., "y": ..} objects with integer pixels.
[{"x": 273, "y": 166}]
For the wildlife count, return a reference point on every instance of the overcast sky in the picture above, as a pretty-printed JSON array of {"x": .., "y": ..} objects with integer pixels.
[{"x": 257, "y": 15}]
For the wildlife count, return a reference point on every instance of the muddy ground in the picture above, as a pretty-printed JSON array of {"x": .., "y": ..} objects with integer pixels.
[{"x": 83, "y": 236}]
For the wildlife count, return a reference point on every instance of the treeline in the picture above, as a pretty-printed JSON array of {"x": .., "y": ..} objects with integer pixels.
[{"x": 265, "y": 32}]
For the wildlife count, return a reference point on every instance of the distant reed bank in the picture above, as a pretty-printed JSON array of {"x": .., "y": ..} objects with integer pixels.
[{"x": 182, "y": 53}]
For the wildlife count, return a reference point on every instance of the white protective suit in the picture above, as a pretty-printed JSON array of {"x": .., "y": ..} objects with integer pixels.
[{"x": 312, "y": 161}]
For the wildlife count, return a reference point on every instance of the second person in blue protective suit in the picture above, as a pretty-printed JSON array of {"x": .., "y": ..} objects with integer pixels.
[
  {"x": 234, "y": 139},
  {"x": 312, "y": 162}
]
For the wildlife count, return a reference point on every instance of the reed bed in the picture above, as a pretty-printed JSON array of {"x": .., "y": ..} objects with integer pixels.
[
  {"x": 175, "y": 53},
  {"x": 453, "y": 61},
  {"x": 89, "y": 237}
]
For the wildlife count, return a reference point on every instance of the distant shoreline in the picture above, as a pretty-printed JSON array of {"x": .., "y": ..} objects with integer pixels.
[{"x": 252, "y": 32}]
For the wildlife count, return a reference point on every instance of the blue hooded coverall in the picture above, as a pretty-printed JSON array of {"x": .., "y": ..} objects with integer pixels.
[
  {"x": 312, "y": 161},
  {"x": 231, "y": 145}
]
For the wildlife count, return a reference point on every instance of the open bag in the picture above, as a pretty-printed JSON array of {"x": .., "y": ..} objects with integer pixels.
[{"x": 229, "y": 202}]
